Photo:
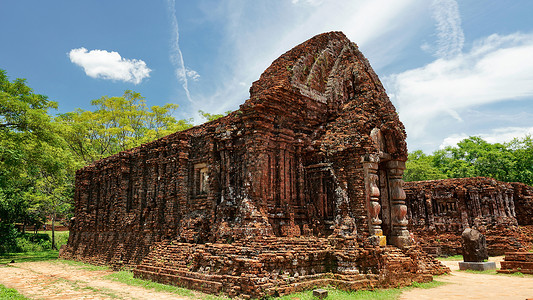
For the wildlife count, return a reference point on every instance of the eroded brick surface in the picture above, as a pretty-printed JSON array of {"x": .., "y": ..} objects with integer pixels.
[
  {"x": 517, "y": 262},
  {"x": 439, "y": 211},
  {"x": 300, "y": 187}
]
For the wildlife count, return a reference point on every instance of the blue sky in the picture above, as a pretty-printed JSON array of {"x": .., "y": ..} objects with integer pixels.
[{"x": 452, "y": 68}]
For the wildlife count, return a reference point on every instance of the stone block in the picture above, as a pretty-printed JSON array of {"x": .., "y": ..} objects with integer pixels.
[
  {"x": 477, "y": 266},
  {"x": 320, "y": 293}
]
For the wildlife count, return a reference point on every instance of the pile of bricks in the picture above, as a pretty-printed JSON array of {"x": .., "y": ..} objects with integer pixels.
[
  {"x": 517, "y": 262},
  {"x": 277, "y": 266},
  {"x": 439, "y": 211}
]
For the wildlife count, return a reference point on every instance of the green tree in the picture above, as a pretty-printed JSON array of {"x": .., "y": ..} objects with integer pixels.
[
  {"x": 117, "y": 124},
  {"x": 30, "y": 146},
  {"x": 211, "y": 117},
  {"x": 474, "y": 156},
  {"x": 522, "y": 153},
  {"x": 420, "y": 166}
]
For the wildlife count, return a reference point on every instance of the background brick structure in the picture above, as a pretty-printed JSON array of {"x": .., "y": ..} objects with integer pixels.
[
  {"x": 439, "y": 211},
  {"x": 299, "y": 187}
]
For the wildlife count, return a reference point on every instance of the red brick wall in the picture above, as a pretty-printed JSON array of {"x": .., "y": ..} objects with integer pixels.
[
  {"x": 439, "y": 210},
  {"x": 288, "y": 163}
]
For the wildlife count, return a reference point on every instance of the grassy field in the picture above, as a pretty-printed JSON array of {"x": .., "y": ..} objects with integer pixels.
[
  {"x": 11, "y": 294},
  {"x": 28, "y": 256}
]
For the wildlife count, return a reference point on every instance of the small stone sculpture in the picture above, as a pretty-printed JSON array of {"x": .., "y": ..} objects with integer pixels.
[{"x": 474, "y": 246}]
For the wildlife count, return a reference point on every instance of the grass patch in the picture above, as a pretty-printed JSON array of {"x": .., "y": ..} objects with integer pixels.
[
  {"x": 127, "y": 278},
  {"x": 451, "y": 258},
  {"x": 60, "y": 236},
  {"x": 426, "y": 285},
  {"x": 380, "y": 294},
  {"x": 10, "y": 294},
  {"x": 83, "y": 266},
  {"x": 28, "y": 256},
  {"x": 486, "y": 272}
]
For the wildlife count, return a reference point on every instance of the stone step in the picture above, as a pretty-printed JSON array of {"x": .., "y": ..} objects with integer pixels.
[
  {"x": 203, "y": 285},
  {"x": 519, "y": 256},
  {"x": 517, "y": 265}
]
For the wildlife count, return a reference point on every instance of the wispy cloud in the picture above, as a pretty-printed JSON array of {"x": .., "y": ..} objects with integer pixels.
[
  {"x": 109, "y": 65},
  {"x": 450, "y": 36},
  {"x": 176, "y": 57},
  {"x": 309, "y": 2},
  {"x": 497, "y": 68},
  {"x": 255, "y": 35}
]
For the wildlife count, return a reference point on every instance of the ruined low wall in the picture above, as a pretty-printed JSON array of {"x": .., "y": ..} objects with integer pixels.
[
  {"x": 277, "y": 266},
  {"x": 439, "y": 210}
]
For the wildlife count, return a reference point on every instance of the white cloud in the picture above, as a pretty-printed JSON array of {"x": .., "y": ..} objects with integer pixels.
[
  {"x": 448, "y": 25},
  {"x": 497, "y": 68},
  {"x": 497, "y": 135},
  {"x": 192, "y": 74},
  {"x": 176, "y": 57},
  {"x": 309, "y": 2},
  {"x": 255, "y": 35},
  {"x": 109, "y": 65}
]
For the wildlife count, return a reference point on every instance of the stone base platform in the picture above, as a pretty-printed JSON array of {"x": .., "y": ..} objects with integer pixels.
[
  {"x": 477, "y": 266},
  {"x": 272, "y": 266}
]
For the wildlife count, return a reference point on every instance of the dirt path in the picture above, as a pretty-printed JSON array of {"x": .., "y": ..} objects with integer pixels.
[
  {"x": 57, "y": 280},
  {"x": 463, "y": 285}
]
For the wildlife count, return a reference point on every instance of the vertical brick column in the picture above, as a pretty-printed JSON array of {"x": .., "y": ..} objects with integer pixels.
[
  {"x": 370, "y": 166},
  {"x": 399, "y": 233}
]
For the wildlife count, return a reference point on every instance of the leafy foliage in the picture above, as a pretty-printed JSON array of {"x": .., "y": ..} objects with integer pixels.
[
  {"x": 472, "y": 157},
  {"x": 31, "y": 150},
  {"x": 40, "y": 153},
  {"x": 211, "y": 117},
  {"x": 117, "y": 124},
  {"x": 420, "y": 166}
]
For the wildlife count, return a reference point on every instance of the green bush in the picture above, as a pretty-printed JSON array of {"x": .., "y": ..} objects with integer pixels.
[
  {"x": 61, "y": 238},
  {"x": 33, "y": 243},
  {"x": 8, "y": 236},
  {"x": 15, "y": 242}
]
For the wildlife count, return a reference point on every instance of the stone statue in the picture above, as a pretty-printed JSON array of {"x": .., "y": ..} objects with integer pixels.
[{"x": 474, "y": 246}]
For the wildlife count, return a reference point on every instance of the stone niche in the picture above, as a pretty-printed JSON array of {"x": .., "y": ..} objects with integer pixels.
[
  {"x": 439, "y": 211},
  {"x": 300, "y": 187}
]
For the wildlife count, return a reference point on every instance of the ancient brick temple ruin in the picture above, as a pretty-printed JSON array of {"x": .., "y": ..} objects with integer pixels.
[
  {"x": 300, "y": 187},
  {"x": 439, "y": 211}
]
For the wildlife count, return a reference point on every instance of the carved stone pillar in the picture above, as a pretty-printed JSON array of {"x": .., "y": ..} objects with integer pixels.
[
  {"x": 370, "y": 166},
  {"x": 399, "y": 234}
]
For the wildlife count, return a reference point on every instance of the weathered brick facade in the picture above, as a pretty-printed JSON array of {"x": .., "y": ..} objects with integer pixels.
[
  {"x": 439, "y": 211},
  {"x": 301, "y": 186}
]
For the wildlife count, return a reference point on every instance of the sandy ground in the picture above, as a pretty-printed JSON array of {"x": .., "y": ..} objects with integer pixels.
[
  {"x": 57, "y": 280},
  {"x": 463, "y": 285}
]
